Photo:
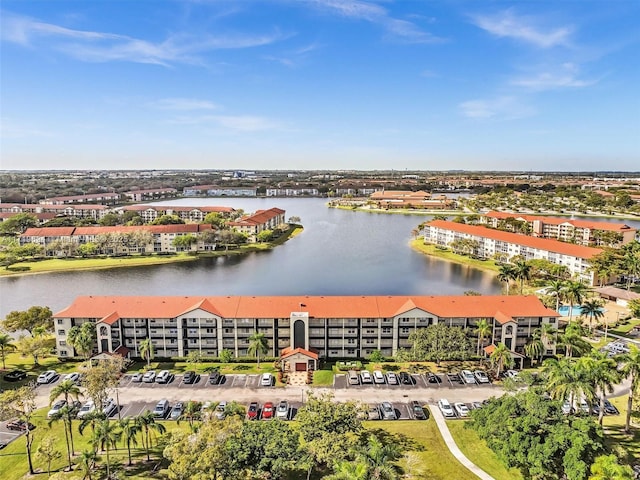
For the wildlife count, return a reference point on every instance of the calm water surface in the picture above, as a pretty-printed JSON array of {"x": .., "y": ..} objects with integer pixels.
[{"x": 339, "y": 253}]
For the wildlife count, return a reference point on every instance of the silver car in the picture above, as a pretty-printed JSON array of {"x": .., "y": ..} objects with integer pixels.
[{"x": 388, "y": 412}]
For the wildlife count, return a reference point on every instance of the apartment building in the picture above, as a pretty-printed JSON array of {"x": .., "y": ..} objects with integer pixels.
[
  {"x": 580, "y": 231},
  {"x": 215, "y": 191},
  {"x": 252, "y": 225},
  {"x": 331, "y": 326},
  {"x": 292, "y": 192},
  {"x": 409, "y": 199},
  {"x": 490, "y": 242},
  {"x": 188, "y": 214},
  {"x": 122, "y": 239},
  {"x": 95, "y": 212},
  {"x": 108, "y": 198},
  {"x": 150, "y": 194}
]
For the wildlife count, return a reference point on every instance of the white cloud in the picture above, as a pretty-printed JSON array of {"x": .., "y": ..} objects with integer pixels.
[
  {"x": 105, "y": 47},
  {"x": 183, "y": 104},
  {"x": 499, "y": 108},
  {"x": 509, "y": 25},
  {"x": 237, "y": 123},
  {"x": 374, "y": 13},
  {"x": 565, "y": 76}
]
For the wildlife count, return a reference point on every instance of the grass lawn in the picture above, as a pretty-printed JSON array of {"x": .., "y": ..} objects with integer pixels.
[
  {"x": 623, "y": 330},
  {"x": 322, "y": 378},
  {"x": 419, "y": 245},
  {"x": 16, "y": 361},
  {"x": 477, "y": 451},
  {"x": 422, "y": 439},
  {"x": 614, "y": 431}
]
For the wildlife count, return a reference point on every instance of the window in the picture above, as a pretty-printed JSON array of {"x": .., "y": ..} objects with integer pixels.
[
  {"x": 386, "y": 329},
  {"x": 60, "y": 321},
  {"x": 63, "y": 353},
  {"x": 509, "y": 330},
  {"x": 351, "y": 351},
  {"x": 404, "y": 330},
  {"x": 62, "y": 343},
  {"x": 351, "y": 341},
  {"x": 103, "y": 331},
  {"x": 60, "y": 332}
]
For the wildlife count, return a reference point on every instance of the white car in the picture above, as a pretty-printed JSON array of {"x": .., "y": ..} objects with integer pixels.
[
  {"x": 567, "y": 408},
  {"x": 221, "y": 410},
  {"x": 73, "y": 376},
  {"x": 161, "y": 408},
  {"x": 511, "y": 374},
  {"x": 481, "y": 377},
  {"x": 110, "y": 407},
  {"x": 86, "y": 409},
  {"x": 365, "y": 377},
  {"x": 392, "y": 379},
  {"x": 56, "y": 408},
  {"x": 165, "y": 376},
  {"x": 266, "y": 380},
  {"x": 378, "y": 376},
  {"x": 282, "y": 411},
  {"x": 462, "y": 409},
  {"x": 468, "y": 377},
  {"x": 446, "y": 408},
  {"x": 47, "y": 377},
  {"x": 149, "y": 376}
]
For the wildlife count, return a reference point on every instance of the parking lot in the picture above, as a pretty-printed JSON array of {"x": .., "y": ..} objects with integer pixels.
[{"x": 446, "y": 380}]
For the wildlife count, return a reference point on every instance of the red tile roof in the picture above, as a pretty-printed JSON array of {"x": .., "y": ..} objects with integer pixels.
[
  {"x": 259, "y": 217},
  {"x": 555, "y": 246},
  {"x": 49, "y": 232},
  {"x": 287, "y": 352},
  {"x": 156, "y": 229},
  {"x": 140, "y": 208},
  {"x": 317, "y": 306},
  {"x": 579, "y": 223}
]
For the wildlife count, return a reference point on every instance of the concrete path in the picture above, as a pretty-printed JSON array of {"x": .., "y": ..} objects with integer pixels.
[{"x": 451, "y": 444}]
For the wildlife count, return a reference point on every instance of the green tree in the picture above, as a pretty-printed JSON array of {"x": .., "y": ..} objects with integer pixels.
[
  {"x": 148, "y": 426},
  {"x": 592, "y": 309},
  {"x": 167, "y": 220},
  {"x": 192, "y": 413},
  {"x": 103, "y": 379},
  {"x": 483, "y": 330},
  {"x": 607, "y": 467},
  {"x": 64, "y": 414},
  {"x": 602, "y": 372},
  {"x": 130, "y": 430},
  {"x": 258, "y": 345},
  {"x": 29, "y": 320},
  {"x": 535, "y": 347},
  {"x": 225, "y": 356},
  {"x": 634, "y": 307},
  {"x": 83, "y": 339},
  {"x": 184, "y": 242},
  {"x": 572, "y": 340},
  {"x": 440, "y": 342},
  {"x": 36, "y": 347},
  {"x": 631, "y": 368},
  {"x": 21, "y": 403},
  {"x": 146, "y": 350},
  {"x": 215, "y": 219},
  {"x": 501, "y": 357},
  {"x": 265, "y": 236},
  {"x": 18, "y": 223},
  {"x": 557, "y": 288},
  {"x": 522, "y": 272},
  {"x": 567, "y": 379},
  {"x": 87, "y": 463},
  {"x": 574, "y": 293},
  {"x": 110, "y": 220},
  {"x": 47, "y": 452},
  {"x": 506, "y": 273},
  {"x": 376, "y": 356},
  {"x": 5, "y": 346},
  {"x": 380, "y": 459},
  {"x": 106, "y": 435},
  {"x": 69, "y": 391}
]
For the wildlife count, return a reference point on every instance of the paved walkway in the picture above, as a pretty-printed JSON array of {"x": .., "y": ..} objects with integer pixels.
[{"x": 451, "y": 444}]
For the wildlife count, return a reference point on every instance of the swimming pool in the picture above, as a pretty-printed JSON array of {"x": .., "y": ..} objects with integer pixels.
[{"x": 575, "y": 310}]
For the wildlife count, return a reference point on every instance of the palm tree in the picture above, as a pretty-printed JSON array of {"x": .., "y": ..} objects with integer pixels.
[
  {"x": 192, "y": 412},
  {"x": 606, "y": 467},
  {"x": 548, "y": 334},
  {"x": 91, "y": 420},
  {"x": 631, "y": 368},
  {"x": 592, "y": 309},
  {"x": 501, "y": 357},
  {"x": 557, "y": 288},
  {"x": 5, "y": 344},
  {"x": 66, "y": 389},
  {"x": 572, "y": 340},
  {"x": 483, "y": 329},
  {"x": 258, "y": 344},
  {"x": 350, "y": 470},
  {"x": 379, "y": 458},
  {"x": 83, "y": 338},
  {"x": 146, "y": 350},
  {"x": 566, "y": 379},
  {"x": 506, "y": 274},
  {"x": 106, "y": 435},
  {"x": 603, "y": 373},
  {"x": 130, "y": 430},
  {"x": 535, "y": 348},
  {"x": 522, "y": 272},
  {"x": 64, "y": 414},
  {"x": 87, "y": 463},
  {"x": 147, "y": 423},
  {"x": 575, "y": 293}
]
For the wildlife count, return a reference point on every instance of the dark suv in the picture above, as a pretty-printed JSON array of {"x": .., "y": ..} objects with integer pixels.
[
  {"x": 405, "y": 378},
  {"x": 190, "y": 377},
  {"x": 215, "y": 378}
]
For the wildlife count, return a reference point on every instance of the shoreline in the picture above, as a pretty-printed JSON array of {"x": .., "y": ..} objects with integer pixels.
[
  {"x": 399, "y": 211},
  {"x": 418, "y": 245}
]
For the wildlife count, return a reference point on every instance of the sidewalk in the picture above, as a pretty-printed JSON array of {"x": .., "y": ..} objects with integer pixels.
[{"x": 451, "y": 444}]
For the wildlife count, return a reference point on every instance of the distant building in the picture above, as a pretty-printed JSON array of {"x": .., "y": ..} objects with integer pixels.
[
  {"x": 151, "y": 194},
  {"x": 292, "y": 192},
  {"x": 188, "y": 214},
  {"x": 107, "y": 198},
  {"x": 215, "y": 191},
  {"x": 94, "y": 212},
  {"x": 409, "y": 199},
  {"x": 261, "y": 220},
  {"x": 490, "y": 242}
]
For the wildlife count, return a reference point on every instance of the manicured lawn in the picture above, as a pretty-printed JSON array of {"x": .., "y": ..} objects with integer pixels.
[
  {"x": 614, "y": 431},
  {"x": 16, "y": 361},
  {"x": 623, "y": 330},
  {"x": 322, "y": 378},
  {"x": 419, "y": 245},
  {"x": 422, "y": 439},
  {"x": 477, "y": 451}
]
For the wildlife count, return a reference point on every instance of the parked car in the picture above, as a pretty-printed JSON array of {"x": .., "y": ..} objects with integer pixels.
[
  {"x": 609, "y": 408},
  {"x": 511, "y": 374},
  {"x": 221, "y": 410},
  {"x": 176, "y": 411},
  {"x": 149, "y": 377},
  {"x": 476, "y": 405},
  {"x": 405, "y": 378},
  {"x": 109, "y": 407},
  {"x": 365, "y": 377},
  {"x": 378, "y": 376},
  {"x": 462, "y": 409},
  {"x": 567, "y": 408},
  {"x": 583, "y": 406},
  {"x": 19, "y": 425},
  {"x": 446, "y": 408},
  {"x": 388, "y": 412},
  {"x": 86, "y": 409},
  {"x": 418, "y": 411},
  {"x": 215, "y": 378},
  {"x": 190, "y": 377},
  {"x": 47, "y": 377},
  {"x": 433, "y": 378},
  {"x": 137, "y": 377},
  {"x": 354, "y": 379},
  {"x": 266, "y": 380},
  {"x": 392, "y": 378},
  {"x": 252, "y": 411},
  {"x": 283, "y": 410},
  {"x": 481, "y": 376},
  {"x": 162, "y": 408},
  {"x": 56, "y": 407},
  {"x": 15, "y": 375},
  {"x": 73, "y": 376},
  {"x": 468, "y": 377},
  {"x": 373, "y": 413},
  {"x": 165, "y": 376},
  {"x": 267, "y": 411}
]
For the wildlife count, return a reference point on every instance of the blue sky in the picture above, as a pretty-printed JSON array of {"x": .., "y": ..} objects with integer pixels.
[{"x": 283, "y": 84}]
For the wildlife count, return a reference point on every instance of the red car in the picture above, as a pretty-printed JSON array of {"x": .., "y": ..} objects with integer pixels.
[
  {"x": 19, "y": 425},
  {"x": 267, "y": 411},
  {"x": 252, "y": 412}
]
